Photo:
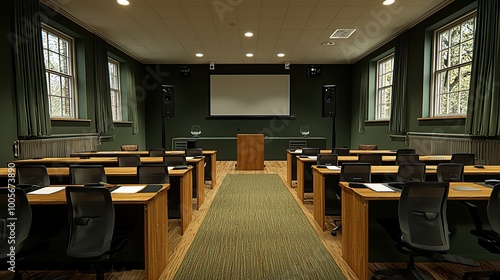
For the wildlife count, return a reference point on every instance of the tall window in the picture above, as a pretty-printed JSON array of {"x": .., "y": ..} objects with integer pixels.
[
  {"x": 385, "y": 69},
  {"x": 114, "y": 84},
  {"x": 59, "y": 62},
  {"x": 454, "y": 45}
]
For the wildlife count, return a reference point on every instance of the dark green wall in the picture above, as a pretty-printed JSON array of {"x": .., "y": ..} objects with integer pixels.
[
  {"x": 191, "y": 102},
  {"x": 85, "y": 80},
  {"x": 418, "y": 84}
]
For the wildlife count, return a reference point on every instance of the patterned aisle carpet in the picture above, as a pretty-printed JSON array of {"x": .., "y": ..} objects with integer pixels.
[{"x": 254, "y": 229}]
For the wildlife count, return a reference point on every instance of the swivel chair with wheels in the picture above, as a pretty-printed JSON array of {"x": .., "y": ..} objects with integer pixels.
[
  {"x": 129, "y": 160},
  {"x": 463, "y": 158},
  {"x": 32, "y": 175},
  {"x": 327, "y": 159},
  {"x": 153, "y": 174},
  {"x": 450, "y": 172},
  {"x": 87, "y": 174},
  {"x": 373, "y": 159}
]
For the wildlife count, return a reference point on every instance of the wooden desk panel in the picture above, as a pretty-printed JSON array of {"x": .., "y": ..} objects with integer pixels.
[
  {"x": 355, "y": 220},
  {"x": 250, "y": 151},
  {"x": 155, "y": 223}
]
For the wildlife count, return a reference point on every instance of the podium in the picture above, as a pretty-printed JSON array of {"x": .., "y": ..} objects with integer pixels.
[{"x": 250, "y": 151}]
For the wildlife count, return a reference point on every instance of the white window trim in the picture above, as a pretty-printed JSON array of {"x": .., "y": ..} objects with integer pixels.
[
  {"x": 433, "y": 79},
  {"x": 73, "y": 77},
  {"x": 377, "y": 87},
  {"x": 119, "y": 91}
]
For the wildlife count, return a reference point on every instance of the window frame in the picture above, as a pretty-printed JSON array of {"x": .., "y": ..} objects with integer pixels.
[
  {"x": 434, "y": 79},
  {"x": 118, "y": 91},
  {"x": 72, "y": 76},
  {"x": 378, "y": 88}
]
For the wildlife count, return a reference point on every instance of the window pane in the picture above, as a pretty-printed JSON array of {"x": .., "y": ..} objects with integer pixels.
[
  {"x": 467, "y": 51},
  {"x": 54, "y": 61},
  {"x": 385, "y": 75},
  {"x": 455, "y": 35},
  {"x": 455, "y": 55},
  {"x": 53, "y": 43},
  {"x": 465, "y": 73},
  {"x": 454, "y": 80},
  {"x": 444, "y": 40}
]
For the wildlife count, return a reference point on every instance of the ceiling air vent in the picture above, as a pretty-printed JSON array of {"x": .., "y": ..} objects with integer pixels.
[{"x": 342, "y": 33}]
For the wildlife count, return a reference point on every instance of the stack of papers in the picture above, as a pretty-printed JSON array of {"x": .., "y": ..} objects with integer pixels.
[
  {"x": 128, "y": 189},
  {"x": 378, "y": 187},
  {"x": 332, "y": 167},
  {"x": 313, "y": 157}
]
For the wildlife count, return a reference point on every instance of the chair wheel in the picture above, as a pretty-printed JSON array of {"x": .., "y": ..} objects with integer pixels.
[{"x": 334, "y": 233}]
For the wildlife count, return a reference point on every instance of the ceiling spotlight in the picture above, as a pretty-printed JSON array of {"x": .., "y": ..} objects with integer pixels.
[
  {"x": 280, "y": 55},
  {"x": 248, "y": 34},
  {"x": 199, "y": 55},
  {"x": 123, "y": 2},
  {"x": 249, "y": 54},
  {"x": 327, "y": 43},
  {"x": 388, "y": 2}
]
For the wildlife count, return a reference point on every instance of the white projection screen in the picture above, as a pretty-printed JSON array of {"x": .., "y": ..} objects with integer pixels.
[{"x": 250, "y": 95}]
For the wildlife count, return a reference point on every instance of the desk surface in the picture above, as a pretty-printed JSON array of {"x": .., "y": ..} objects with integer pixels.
[
  {"x": 430, "y": 169},
  {"x": 352, "y": 152},
  {"x": 110, "y": 171},
  {"x": 141, "y": 153},
  {"x": 93, "y": 160},
  {"x": 423, "y": 158}
]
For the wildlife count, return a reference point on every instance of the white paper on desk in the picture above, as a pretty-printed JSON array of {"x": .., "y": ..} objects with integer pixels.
[
  {"x": 378, "y": 187},
  {"x": 47, "y": 190},
  {"x": 128, "y": 189},
  {"x": 170, "y": 168},
  {"x": 297, "y": 151},
  {"x": 332, "y": 167},
  {"x": 312, "y": 157},
  {"x": 189, "y": 158}
]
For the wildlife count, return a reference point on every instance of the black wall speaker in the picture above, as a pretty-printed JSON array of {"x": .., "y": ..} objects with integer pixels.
[
  {"x": 167, "y": 101},
  {"x": 329, "y": 96}
]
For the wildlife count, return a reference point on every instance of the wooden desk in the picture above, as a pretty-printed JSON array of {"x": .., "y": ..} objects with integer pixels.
[
  {"x": 197, "y": 163},
  {"x": 210, "y": 159},
  {"x": 155, "y": 223},
  {"x": 120, "y": 175},
  {"x": 471, "y": 174},
  {"x": 355, "y": 220}
]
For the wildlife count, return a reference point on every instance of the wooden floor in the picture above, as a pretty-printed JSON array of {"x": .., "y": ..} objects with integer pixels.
[{"x": 178, "y": 245}]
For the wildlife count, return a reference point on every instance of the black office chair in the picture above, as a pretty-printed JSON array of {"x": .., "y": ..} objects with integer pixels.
[
  {"x": 310, "y": 151},
  {"x": 450, "y": 172},
  {"x": 22, "y": 228},
  {"x": 87, "y": 174},
  {"x": 411, "y": 172},
  {"x": 405, "y": 151},
  {"x": 156, "y": 152},
  {"x": 91, "y": 227},
  {"x": 327, "y": 159},
  {"x": 423, "y": 228},
  {"x": 35, "y": 175},
  {"x": 129, "y": 160},
  {"x": 193, "y": 152},
  {"x": 407, "y": 158},
  {"x": 373, "y": 159},
  {"x": 355, "y": 172},
  {"x": 489, "y": 239},
  {"x": 463, "y": 158},
  {"x": 342, "y": 151},
  {"x": 352, "y": 172},
  {"x": 152, "y": 174},
  {"x": 174, "y": 160}
]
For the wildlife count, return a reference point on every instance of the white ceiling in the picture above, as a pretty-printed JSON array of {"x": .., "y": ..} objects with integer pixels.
[{"x": 173, "y": 31}]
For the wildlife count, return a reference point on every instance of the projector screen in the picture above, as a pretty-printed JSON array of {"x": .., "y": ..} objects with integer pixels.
[{"x": 250, "y": 95}]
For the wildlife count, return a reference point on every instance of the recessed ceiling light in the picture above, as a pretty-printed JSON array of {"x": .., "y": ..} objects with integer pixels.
[
  {"x": 327, "y": 43},
  {"x": 249, "y": 54},
  {"x": 248, "y": 34},
  {"x": 281, "y": 55},
  {"x": 342, "y": 33},
  {"x": 388, "y": 2},
  {"x": 199, "y": 55},
  {"x": 123, "y": 2}
]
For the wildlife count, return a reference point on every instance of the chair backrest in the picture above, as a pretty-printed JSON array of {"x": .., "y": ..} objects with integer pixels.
[
  {"x": 373, "y": 159},
  {"x": 129, "y": 160},
  {"x": 156, "y": 152},
  {"x": 86, "y": 174},
  {"x": 152, "y": 174},
  {"x": 192, "y": 152},
  {"x": 327, "y": 159},
  {"x": 411, "y": 172},
  {"x": 32, "y": 175},
  {"x": 341, "y": 151},
  {"x": 463, "y": 158},
  {"x": 173, "y": 160},
  {"x": 356, "y": 172},
  {"x": 405, "y": 151},
  {"x": 23, "y": 217},
  {"x": 129, "y": 147},
  {"x": 450, "y": 172},
  {"x": 310, "y": 151},
  {"x": 407, "y": 158},
  {"x": 91, "y": 221},
  {"x": 422, "y": 215},
  {"x": 493, "y": 209}
]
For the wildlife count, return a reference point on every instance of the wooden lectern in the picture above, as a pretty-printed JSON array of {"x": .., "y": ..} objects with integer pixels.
[{"x": 250, "y": 151}]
